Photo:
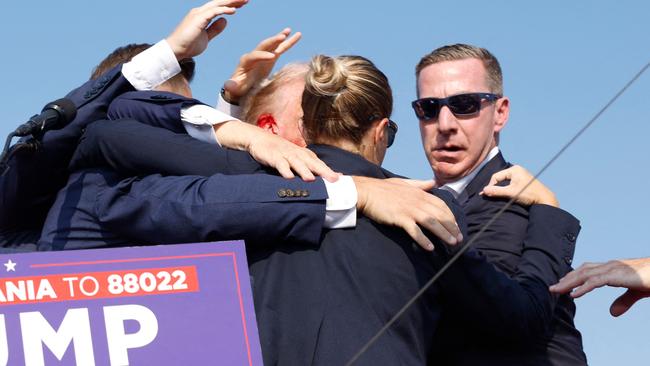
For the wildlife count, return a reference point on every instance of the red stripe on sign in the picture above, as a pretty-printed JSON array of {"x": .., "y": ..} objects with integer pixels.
[{"x": 98, "y": 285}]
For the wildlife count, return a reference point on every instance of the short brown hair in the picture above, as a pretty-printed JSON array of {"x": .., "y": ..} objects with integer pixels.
[
  {"x": 119, "y": 56},
  {"x": 343, "y": 96},
  {"x": 462, "y": 51}
]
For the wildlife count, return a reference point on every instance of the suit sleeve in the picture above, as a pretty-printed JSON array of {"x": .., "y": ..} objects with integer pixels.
[
  {"x": 132, "y": 148},
  {"x": 29, "y": 186},
  {"x": 516, "y": 307},
  {"x": 256, "y": 207},
  {"x": 154, "y": 108}
]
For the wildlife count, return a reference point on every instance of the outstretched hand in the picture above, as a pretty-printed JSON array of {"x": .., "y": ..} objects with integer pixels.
[
  {"x": 407, "y": 204},
  {"x": 191, "y": 36},
  {"x": 633, "y": 274},
  {"x": 256, "y": 65}
]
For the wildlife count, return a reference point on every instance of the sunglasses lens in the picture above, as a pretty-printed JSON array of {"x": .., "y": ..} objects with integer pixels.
[
  {"x": 465, "y": 104},
  {"x": 426, "y": 108}
]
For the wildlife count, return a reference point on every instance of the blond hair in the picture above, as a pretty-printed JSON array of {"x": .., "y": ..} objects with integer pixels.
[
  {"x": 464, "y": 51},
  {"x": 343, "y": 96},
  {"x": 258, "y": 100}
]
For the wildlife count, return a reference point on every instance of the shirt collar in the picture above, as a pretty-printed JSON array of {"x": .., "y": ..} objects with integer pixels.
[{"x": 457, "y": 187}]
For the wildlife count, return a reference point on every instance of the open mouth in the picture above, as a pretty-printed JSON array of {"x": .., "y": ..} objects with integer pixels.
[{"x": 449, "y": 149}]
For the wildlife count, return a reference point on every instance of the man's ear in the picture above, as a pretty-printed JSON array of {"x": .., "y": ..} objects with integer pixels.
[
  {"x": 267, "y": 122},
  {"x": 501, "y": 113}
]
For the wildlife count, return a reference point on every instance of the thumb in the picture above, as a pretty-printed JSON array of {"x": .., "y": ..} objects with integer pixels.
[
  {"x": 216, "y": 27},
  {"x": 625, "y": 301},
  {"x": 231, "y": 86},
  {"x": 497, "y": 191}
]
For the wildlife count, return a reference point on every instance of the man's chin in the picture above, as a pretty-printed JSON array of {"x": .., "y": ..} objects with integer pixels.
[{"x": 448, "y": 172}]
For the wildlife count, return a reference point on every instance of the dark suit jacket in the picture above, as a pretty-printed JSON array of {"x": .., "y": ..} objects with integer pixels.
[
  {"x": 28, "y": 188},
  {"x": 520, "y": 308},
  {"x": 509, "y": 245}
]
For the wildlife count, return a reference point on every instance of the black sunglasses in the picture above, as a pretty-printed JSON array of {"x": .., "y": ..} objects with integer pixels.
[
  {"x": 392, "y": 131},
  {"x": 459, "y": 105}
]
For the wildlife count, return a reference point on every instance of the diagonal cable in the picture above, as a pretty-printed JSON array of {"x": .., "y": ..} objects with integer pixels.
[{"x": 465, "y": 247}]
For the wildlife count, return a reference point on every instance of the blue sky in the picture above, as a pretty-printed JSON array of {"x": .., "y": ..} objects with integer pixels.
[{"x": 562, "y": 62}]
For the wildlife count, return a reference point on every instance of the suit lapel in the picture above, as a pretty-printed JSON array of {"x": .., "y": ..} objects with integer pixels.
[{"x": 483, "y": 178}]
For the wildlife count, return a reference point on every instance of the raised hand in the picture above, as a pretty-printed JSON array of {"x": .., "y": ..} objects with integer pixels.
[
  {"x": 256, "y": 65},
  {"x": 191, "y": 36}
]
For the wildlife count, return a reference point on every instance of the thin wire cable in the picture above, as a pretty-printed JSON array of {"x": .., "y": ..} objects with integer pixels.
[{"x": 464, "y": 248}]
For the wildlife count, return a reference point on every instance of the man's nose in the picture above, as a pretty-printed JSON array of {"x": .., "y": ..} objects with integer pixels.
[{"x": 447, "y": 122}]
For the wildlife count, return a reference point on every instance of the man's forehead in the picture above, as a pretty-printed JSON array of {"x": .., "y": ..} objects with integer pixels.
[{"x": 452, "y": 77}]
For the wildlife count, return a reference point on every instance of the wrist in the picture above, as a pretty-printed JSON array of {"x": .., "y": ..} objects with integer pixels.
[{"x": 362, "y": 193}]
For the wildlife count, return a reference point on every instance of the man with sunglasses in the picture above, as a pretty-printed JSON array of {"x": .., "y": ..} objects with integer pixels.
[{"x": 461, "y": 109}]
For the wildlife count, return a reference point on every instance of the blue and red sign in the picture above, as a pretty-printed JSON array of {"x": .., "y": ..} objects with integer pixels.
[{"x": 188, "y": 304}]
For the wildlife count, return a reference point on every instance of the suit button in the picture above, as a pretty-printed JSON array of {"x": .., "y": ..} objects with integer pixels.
[
  {"x": 568, "y": 260},
  {"x": 291, "y": 193},
  {"x": 282, "y": 193},
  {"x": 571, "y": 237}
]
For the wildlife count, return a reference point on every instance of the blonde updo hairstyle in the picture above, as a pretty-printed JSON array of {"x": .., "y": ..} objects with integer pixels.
[{"x": 343, "y": 96}]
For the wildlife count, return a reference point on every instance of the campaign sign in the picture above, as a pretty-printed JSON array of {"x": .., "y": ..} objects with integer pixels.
[{"x": 188, "y": 304}]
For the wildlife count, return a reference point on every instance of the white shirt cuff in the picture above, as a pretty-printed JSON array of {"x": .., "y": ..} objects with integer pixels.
[
  {"x": 227, "y": 108},
  {"x": 341, "y": 206},
  {"x": 199, "y": 120},
  {"x": 151, "y": 67}
]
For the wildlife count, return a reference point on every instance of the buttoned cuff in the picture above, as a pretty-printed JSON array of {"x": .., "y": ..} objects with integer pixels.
[
  {"x": 199, "y": 121},
  {"x": 341, "y": 204},
  {"x": 151, "y": 67},
  {"x": 227, "y": 108}
]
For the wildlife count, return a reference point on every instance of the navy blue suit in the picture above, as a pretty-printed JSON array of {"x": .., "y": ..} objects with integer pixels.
[
  {"x": 507, "y": 244},
  {"x": 28, "y": 188},
  {"x": 491, "y": 302}
]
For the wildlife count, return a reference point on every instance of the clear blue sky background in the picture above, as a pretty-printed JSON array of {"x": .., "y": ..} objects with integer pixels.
[{"x": 562, "y": 61}]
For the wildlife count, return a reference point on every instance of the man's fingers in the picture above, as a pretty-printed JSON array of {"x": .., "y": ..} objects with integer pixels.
[
  {"x": 283, "y": 167},
  {"x": 499, "y": 177},
  {"x": 497, "y": 191},
  {"x": 216, "y": 27},
  {"x": 270, "y": 44},
  {"x": 436, "y": 228},
  {"x": 287, "y": 44},
  {"x": 321, "y": 169},
  {"x": 222, "y": 3},
  {"x": 625, "y": 301},
  {"x": 299, "y": 166},
  {"x": 414, "y": 231},
  {"x": 255, "y": 56}
]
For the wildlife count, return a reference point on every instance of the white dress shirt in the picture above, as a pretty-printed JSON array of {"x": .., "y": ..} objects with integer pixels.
[{"x": 158, "y": 64}]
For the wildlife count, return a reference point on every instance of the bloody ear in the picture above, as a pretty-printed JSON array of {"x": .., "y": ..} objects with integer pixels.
[{"x": 267, "y": 122}]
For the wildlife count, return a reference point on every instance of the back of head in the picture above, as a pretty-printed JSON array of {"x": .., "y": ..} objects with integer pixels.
[
  {"x": 119, "y": 56},
  {"x": 343, "y": 96},
  {"x": 462, "y": 51},
  {"x": 261, "y": 99}
]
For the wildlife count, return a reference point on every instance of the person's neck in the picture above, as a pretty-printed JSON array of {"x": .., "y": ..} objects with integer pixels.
[{"x": 349, "y": 146}]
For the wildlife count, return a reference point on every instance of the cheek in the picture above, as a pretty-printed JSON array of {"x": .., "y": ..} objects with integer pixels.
[{"x": 428, "y": 132}]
